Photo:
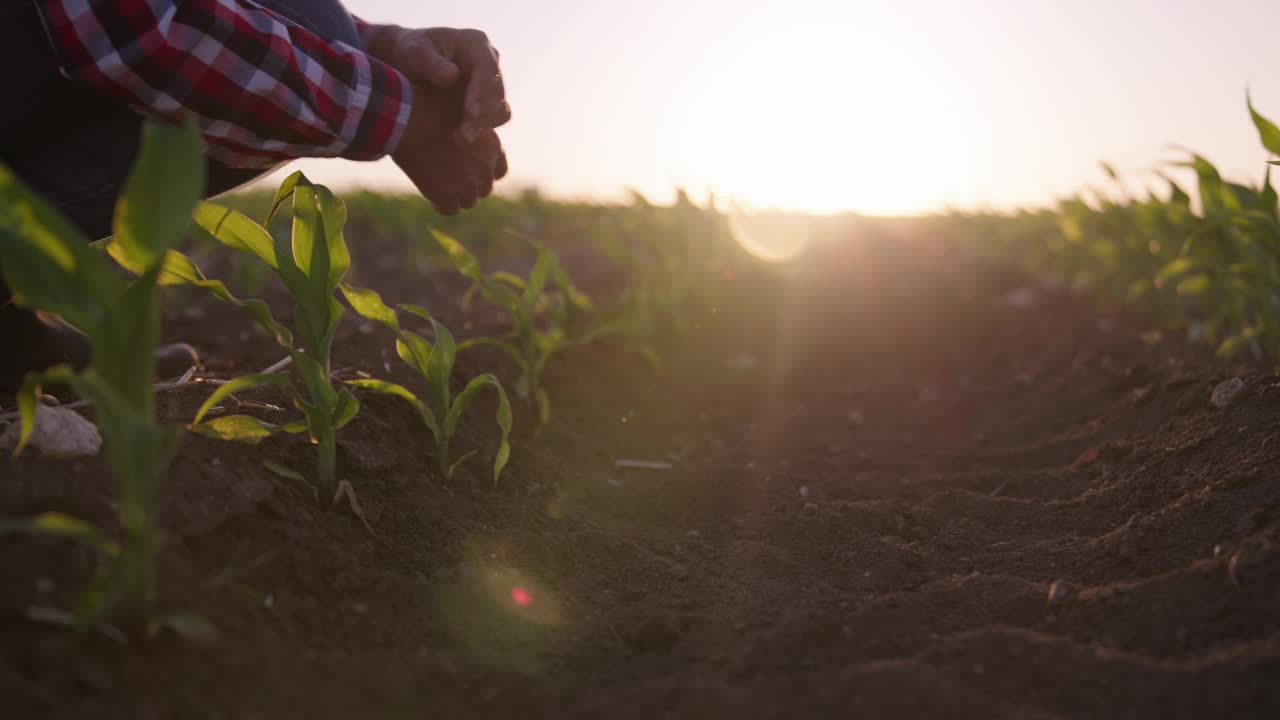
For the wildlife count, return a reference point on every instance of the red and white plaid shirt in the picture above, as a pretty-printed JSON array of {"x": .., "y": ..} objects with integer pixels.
[{"x": 263, "y": 88}]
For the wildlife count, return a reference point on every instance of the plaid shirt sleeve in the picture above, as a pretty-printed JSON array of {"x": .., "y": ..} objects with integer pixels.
[{"x": 263, "y": 89}]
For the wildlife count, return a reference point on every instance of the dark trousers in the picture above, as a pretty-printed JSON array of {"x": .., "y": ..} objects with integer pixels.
[{"x": 73, "y": 146}]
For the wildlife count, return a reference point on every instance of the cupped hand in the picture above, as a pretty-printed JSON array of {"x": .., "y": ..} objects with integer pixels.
[
  {"x": 451, "y": 172},
  {"x": 443, "y": 58}
]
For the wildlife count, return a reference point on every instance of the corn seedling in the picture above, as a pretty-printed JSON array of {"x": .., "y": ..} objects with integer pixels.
[
  {"x": 435, "y": 363},
  {"x": 311, "y": 264},
  {"x": 530, "y": 345},
  {"x": 51, "y": 266}
]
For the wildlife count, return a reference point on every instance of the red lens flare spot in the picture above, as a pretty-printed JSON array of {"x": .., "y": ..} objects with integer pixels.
[{"x": 521, "y": 597}]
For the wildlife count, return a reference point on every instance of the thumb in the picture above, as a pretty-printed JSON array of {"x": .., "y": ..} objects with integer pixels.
[{"x": 423, "y": 62}]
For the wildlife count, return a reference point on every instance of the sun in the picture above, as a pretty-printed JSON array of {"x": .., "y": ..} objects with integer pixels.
[{"x": 825, "y": 120}]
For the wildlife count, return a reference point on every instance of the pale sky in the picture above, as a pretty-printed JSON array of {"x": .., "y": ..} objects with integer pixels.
[{"x": 873, "y": 106}]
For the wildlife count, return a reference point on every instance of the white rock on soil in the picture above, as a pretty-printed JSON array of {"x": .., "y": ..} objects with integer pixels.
[
  {"x": 58, "y": 433},
  {"x": 1227, "y": 392}
]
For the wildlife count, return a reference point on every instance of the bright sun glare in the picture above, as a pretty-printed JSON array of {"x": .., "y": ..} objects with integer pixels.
[{"x": 821, "y": 116}]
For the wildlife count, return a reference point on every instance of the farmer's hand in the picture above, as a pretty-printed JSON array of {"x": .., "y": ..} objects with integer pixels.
[
  {"x": 449, "y": 173},
  {"x": 445, "y": 58}
]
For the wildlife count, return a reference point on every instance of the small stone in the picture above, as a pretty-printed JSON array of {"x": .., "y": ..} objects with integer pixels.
[
  {"x": 811, "y": 508},
  {"x": 1058, "y": 592},
  {"x": 804, "y": 491},
  {"x": 58, "y": 433},
  {"x": 1227, "y": 392}
]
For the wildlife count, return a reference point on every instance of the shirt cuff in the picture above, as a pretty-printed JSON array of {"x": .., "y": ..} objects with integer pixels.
[{"x": 386, "y": 114}]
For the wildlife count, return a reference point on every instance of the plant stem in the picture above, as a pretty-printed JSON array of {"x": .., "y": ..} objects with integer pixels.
[
  {"x": 442, "y": 455},
  {"x": 326, "y": 461}
]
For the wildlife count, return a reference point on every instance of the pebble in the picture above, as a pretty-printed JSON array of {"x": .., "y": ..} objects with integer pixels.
[
  {"x": 1227, "y": 392},
  {"x": 1058, "y": 592},
  {"x": 58, "y": 433}
]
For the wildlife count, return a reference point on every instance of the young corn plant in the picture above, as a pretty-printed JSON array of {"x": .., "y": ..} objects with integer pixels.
[
  {"x": 311, "y": 264},
  {"x": 50, "y": 266},
  {"x": 442, "y": 412},
  {"x": 531, "y": 346}
]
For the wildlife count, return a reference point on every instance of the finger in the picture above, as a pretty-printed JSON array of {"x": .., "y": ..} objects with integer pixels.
[
  {"x": 423, "y": 60},
  {"x": 484, "y": 187},
  {"x": 468, "y": 200},
  {"x": 500, "y": 167},
  {"x": 485, "y": 101},
  {"x": 471, "y": 128},
  {"x": 446, "y": 206}
]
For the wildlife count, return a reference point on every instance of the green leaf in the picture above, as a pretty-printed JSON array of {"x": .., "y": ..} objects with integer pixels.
[
  {"x": 236, "y": 428},
  {"x": 283, "y": 471},
  {"x": 404, "y": 393},
  {"x": 133, "y": 326},
  {"x": 469, "y": 267},
  {"x": 368, "y": 304},
  {"x": 538, "y": 276},
  {"x": 154, "y": 211},
  {"x": 57, "y": 524},
  {"x": 241, "y": 384},
  {"x": 440, "y": 365},
  {"x": 334, "y": 214},
  {"x": 347, "y": 409},
  {"x": 542, "y": 402},
  {"x": 284, "y": 192},
  {"x": 417, "y": 310},
  {"x": 448, "y": 475},
  {"x": 1176, "y": 268},
  {"x": 504, "y": 418},
  {"x": 47, "y": 263},
  {"x": 415, "y": 351},
  {"x": 1233, "y": 345},
  {"x": 1195, "y": 285},
  {"x": 1267, "y": 130},
  {"x": 237, "y": 231}
]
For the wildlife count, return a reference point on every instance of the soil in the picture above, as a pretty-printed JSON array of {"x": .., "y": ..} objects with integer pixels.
[{"x": 890, "y": 480}]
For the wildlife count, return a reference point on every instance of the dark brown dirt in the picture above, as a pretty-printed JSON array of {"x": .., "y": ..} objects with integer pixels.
[{"x": 892, "y": 494}]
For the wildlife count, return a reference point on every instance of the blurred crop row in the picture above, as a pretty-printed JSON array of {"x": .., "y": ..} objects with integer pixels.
[{"x": 1205, "y": 259}]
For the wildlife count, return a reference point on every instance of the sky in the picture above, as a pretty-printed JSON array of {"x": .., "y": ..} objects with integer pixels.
[{"x": 878, "y": 107}]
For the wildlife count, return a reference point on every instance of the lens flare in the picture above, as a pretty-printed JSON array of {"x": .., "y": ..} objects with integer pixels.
[{"x": 774, "y": 237}]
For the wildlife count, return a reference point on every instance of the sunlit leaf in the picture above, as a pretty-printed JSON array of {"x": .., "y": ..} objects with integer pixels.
[
  {"x": 1267, "y": 130},
  {"x": 53, "y": 523},
  {"x": 236, "y": 428},
  {"x": 154, "y": 210}
]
